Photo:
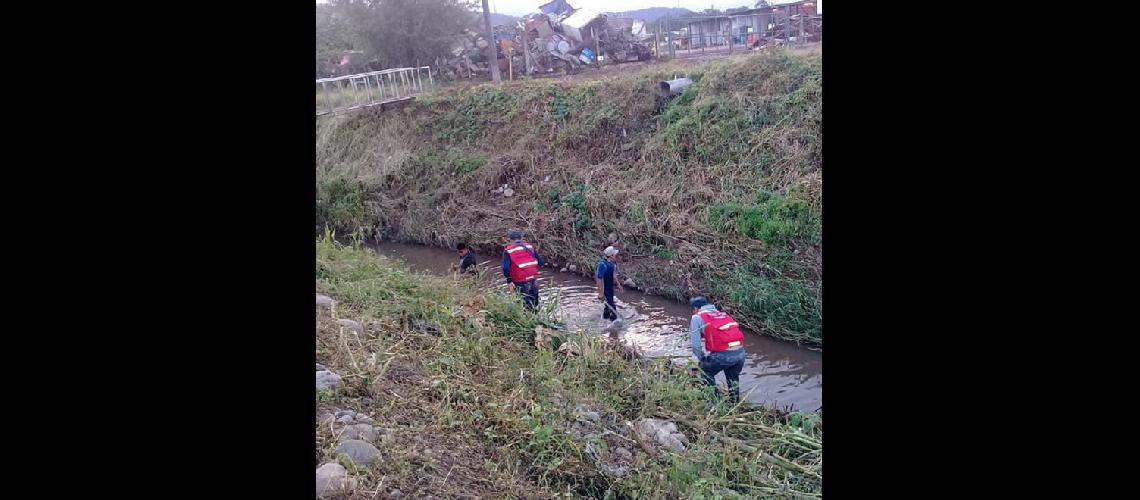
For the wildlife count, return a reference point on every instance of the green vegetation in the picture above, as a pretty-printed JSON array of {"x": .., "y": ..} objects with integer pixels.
[
  {"x": 787, "y": 307},
  {"x": 469, "y": 401},
  {"x": 699, "y": 186},
  {"x": 772, "y": 218},
  {"x": 340, "y": 204}
]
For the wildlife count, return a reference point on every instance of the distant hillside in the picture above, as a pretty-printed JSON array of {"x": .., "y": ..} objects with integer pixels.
[{"x": 653, "y": 13}]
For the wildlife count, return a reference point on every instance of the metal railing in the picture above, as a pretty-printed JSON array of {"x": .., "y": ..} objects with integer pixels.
[{"x": 346, "y": 93}]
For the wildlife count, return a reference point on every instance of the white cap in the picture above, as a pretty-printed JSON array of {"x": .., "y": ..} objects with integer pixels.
[{"x": 610, "y": 251}]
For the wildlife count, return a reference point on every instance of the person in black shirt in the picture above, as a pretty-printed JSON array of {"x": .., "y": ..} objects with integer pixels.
[{"x": 466, "y": 260}]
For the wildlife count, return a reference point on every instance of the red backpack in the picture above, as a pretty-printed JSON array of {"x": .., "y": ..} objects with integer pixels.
[
  {"x": 721, "y": 331},
  {"x": 524, "y": 265}
]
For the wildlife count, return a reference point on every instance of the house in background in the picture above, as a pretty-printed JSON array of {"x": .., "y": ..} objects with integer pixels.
[{"x": 715, "y": 30}]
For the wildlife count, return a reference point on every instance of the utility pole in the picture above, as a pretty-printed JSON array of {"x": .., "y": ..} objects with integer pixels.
[{"x": 494, "y": 46}]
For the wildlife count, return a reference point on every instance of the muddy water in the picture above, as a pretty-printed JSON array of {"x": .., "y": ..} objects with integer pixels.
[{"x": 776, "y": 373}]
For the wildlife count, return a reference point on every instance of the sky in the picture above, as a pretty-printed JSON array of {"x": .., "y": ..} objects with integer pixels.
[{"x": 520, "y": 7}]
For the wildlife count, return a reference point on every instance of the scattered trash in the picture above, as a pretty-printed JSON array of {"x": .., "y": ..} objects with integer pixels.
[
  {"x": 674, "y": 87},
  {"x": 556, "y": 38}
]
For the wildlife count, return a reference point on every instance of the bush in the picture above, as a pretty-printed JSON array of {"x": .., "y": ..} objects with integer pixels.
[
  {"x": 772, "y": 218},
  {"x": 340, "y": 205},
  {"x": 787, "y": 308}
]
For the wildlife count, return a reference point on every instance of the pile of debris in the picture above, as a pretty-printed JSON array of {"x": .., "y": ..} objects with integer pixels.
[
  {"x": 568, "y": 38},
  {"x": 470, "y": 54},
  {"x": 788, "y": 31},
  {"x": 557, "y": 38}
]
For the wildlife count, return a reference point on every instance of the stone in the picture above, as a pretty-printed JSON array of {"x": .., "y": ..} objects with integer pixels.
[
  {"x": 363, "y": 432},
  {"x": 623, "y": 454},
  {"x": 663, "y": 432},
  {"x": 628, "y": 282},
  {"x": 582, "y": 412},
  {"x": 508, "y": 192},
  {"x": 356, "y": 327},
  {"x": 395, "y": 493},
  {"x": 562, "y": 270},
  {"x": 425, "y": 327},
  {"x": 325, "y": 301},
  {"x": 326, "y": 418},
  {"x": 333, "y": 479},
  {"x": 364, "y": 419},
  {"x": 344, "y": 419},
  {"x": 613, "y": 237},
  {"x": 360, "y": 452},
  {"x": 569, "y": 349},
  {"x": 320, "y": 367},
  {"x": 572, "y": 267},
  {"x": 327, "y": 380}
]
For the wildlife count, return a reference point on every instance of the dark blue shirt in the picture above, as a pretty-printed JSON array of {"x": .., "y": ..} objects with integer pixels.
[
  {"x": 606, "y": 274},
  {"x": 507, "y": 259},
  {"x": 467, "y": 261}
]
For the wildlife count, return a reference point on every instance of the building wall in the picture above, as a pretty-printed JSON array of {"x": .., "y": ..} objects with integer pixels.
[{"x": 700, "y": 31}]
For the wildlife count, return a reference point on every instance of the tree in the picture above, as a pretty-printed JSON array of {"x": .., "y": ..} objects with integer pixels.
[
  {"x": 334, "y": 37},
  {"x": 398, "y": 33},
  {"x": 491, "y": 37}
]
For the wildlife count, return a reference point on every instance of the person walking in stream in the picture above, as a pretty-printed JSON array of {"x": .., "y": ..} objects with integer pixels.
[
  {"x": 724, "y": 343},
  {"x": 520, "y": 267},
  {"x": 606, "y": 279}
]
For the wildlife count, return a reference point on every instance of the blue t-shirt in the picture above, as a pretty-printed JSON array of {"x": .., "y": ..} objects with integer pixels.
[{"x": 606, "y": 274}]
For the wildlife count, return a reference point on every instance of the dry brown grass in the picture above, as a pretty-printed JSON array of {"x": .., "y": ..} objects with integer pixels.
[{"x": 646, "y": 170}]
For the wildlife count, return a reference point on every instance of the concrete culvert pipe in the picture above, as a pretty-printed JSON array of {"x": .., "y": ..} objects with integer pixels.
[{"x": 674, "y": 87}]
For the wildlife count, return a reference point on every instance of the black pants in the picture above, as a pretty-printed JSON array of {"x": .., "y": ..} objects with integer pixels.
[
  {"x": 529, "y": 291},
  {"x": 731, "y": 363},
  {"x": 610, "y": 311}
]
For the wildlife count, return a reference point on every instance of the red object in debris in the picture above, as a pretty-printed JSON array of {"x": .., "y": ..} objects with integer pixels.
[{"x": 753, "y": 40}]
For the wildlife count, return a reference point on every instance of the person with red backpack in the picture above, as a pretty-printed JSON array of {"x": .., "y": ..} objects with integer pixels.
[
  {"x": 724, "y": 343},
  {"x": 520, "y": 267}
]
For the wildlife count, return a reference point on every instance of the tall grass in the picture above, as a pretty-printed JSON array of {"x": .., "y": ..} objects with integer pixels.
[{"x": 474, "y": 405}]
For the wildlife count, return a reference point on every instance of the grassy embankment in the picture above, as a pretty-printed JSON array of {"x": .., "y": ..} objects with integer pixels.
[
  {"x": 716, "y": 191},
  {"x": 470, "y": 403}
]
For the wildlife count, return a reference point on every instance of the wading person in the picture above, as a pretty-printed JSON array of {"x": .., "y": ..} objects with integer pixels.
[
  {"x": 606, "y": 278},
  {"x": 722, "y": 348},
  {"x": 520, "y": 267},
  {"x": 466, "y": 262}
]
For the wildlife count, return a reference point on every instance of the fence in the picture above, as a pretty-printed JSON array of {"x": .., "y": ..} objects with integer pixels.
[
  {"x": 728, "y": 34},
  {"x": 349, "y": 92}
]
